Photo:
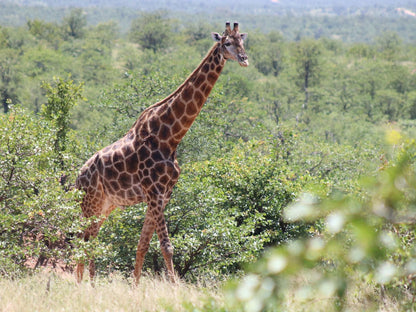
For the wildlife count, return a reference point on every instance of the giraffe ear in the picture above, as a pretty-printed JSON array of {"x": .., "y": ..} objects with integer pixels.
[
  {"x": 216, "y": 36},
  {"x": 244, "y": 36}
]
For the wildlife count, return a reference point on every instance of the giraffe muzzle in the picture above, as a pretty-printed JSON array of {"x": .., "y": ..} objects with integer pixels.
[{"x": 243, "y": 60}]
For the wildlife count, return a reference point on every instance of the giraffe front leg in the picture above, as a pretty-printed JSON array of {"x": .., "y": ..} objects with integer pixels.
[
  {"x": 157, "y": 205},
  {"x": 81, "y": 263},
  {"x": 92, "y": 269},
  {"x": 143, "y": 246},
  {"x": 80, "y": 271},
  {"x": 166, "y": 247},
  {"x": 90, "y": 233}
]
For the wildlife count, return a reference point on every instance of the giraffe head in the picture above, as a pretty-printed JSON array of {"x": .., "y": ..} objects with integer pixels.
[{"x": 232, "y": 44}]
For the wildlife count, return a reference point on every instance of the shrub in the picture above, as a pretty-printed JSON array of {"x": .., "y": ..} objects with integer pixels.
[
  {"x": 369, "y": 240},
  {"x": 37, "y": 214}
]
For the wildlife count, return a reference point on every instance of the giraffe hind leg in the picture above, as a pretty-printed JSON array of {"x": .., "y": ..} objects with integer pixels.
[
  {"x": 166, "y": 247},
  {"x": 80, "y": 271},
  {"x": 143, "y": 246}
]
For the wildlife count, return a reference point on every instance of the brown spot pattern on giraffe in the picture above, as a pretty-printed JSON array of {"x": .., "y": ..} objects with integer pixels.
[
  {"x": 178, "y": 107},
  {"x": 199, "y": 81},
  {"x": 187, "y": 93}
]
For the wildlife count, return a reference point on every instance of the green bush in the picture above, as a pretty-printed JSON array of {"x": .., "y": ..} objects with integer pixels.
[
  {"x": 368, "y": 240},
  {"x": 36, "y": 213}
]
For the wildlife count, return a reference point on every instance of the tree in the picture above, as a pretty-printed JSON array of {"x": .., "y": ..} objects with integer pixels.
[
  {"x": 9, "y": 78},
  {"x": 389, "y": 45},
  {"x": 361, "y": 50},
  {"x": 48, "y": 32},
  {"x": 4, "y": 37},
  {"x": 152, "y": 31},
  {"x": 307, "y": 59},
  {"x": 266, "y": 52},
  {"x": 389, "y": 103},
  {"x": 197, "y": 32},
  {"x": 105, "y": 33},
  {"x": 74, "y": 24},
  {"x": 61, "y": 96},
  {"x": 412, "y": 105}
]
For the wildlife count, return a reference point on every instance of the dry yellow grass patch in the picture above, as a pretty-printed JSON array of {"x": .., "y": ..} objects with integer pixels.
[{"x": 50, "y": 292}]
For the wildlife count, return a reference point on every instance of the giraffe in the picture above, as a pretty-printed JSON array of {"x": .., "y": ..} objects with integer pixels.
[{"x": 142, "y": 165}]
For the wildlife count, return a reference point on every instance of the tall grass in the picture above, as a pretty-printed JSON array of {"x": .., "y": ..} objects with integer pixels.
[
  {"x": 52, "y": 292},
  {"x": 49, "y": 291}
]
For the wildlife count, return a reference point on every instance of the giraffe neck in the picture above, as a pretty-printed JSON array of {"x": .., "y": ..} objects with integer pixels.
[
  {"x": 193, "y": 93},
  {"x": 172, "y": 117}
]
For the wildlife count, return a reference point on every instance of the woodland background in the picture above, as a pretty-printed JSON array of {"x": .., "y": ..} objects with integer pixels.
[{"x": 298, "y": 174}]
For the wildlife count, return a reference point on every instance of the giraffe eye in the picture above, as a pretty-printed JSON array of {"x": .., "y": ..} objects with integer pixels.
[{"x": 227, "y": 44}]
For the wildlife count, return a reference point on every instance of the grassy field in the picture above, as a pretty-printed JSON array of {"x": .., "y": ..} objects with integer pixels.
[
  {"x": 48, "y": 291},
  {"x": 52, "y": 292}
]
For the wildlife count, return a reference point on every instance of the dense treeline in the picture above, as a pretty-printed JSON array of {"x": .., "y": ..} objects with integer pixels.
[
  {"x": 289, "y": 81},
  {"x": 306, "y": 116},
  {"x": 355, "y": 21}
]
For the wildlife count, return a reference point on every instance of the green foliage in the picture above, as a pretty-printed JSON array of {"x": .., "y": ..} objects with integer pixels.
[
  {"x": 307, "y": 62},
  {"x": 370, "y": 238},
  {"x": 355, "y": 79},
  {"x": 152, "y": 31},
  {"x": 389, "y": 45},
  {"x": 45, "y": 32},
  {"x": 37, "y": 214},
  {"x": 62, "y": 97},
  {"x": 9, "y": 78},
  {"x": 259, "y": 184},
  {"x": 267, "y": 58},
  {"x": 74, "y": 24}
]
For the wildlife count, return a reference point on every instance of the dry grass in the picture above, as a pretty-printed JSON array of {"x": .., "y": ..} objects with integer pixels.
[
  {"x": 360, "y": 296},
  {"x": 48, "y": 291},
  {"x": 51, "y": 292}
]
